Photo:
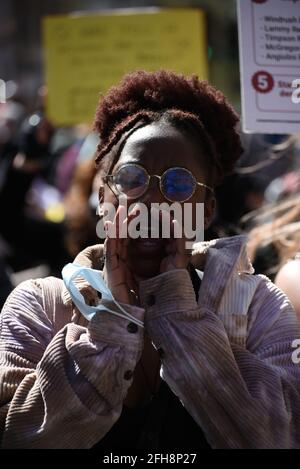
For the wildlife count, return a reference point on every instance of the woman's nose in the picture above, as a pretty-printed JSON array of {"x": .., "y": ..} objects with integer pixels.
[{"x": 153, "y": 193}]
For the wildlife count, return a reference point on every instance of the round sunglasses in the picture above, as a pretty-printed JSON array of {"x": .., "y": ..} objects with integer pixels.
[{"x": 177, "y": 184}]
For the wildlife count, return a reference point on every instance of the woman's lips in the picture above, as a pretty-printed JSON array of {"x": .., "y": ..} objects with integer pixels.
[
  {"x": 149, "y": 241},
  {"x": 149, "y": 244}
]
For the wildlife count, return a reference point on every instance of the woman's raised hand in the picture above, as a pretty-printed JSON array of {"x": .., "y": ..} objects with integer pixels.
[
  {"x": 117, "y": 275},
  {"x": 177, "y": 255}
]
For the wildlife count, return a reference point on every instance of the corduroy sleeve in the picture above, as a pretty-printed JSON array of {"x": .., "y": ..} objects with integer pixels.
[
  {"x": 62, "y": 390},
  {"x": 241, "y": 396}
]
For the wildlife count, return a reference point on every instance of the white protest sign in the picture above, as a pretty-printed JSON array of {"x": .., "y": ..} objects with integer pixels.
[{"x": 269, "y": 42}]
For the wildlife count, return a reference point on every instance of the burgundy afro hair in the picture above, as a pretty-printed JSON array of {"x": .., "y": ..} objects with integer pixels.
[{"x": 144, "y": 97}]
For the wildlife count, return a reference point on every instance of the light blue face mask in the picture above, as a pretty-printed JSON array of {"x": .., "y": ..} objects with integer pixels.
[{"x": 94, "y": 277}]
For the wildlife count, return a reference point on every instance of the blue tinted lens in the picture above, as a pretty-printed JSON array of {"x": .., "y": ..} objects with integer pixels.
[
  {"x": 178, "y": 184},
  {"x": 131, "y": 180}
]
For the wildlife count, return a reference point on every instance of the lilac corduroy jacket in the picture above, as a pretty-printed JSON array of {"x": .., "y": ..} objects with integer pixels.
[{"x": 230, "y": 358}]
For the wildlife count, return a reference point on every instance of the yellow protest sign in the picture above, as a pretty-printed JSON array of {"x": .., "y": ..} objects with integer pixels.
[{"x": 87, "y": 54}]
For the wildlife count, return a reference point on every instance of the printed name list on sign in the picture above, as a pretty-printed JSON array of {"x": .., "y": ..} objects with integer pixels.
[{"x": 269, "y": 42}]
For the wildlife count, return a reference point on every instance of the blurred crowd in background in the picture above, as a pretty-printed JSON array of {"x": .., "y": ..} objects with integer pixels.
[
  {"x": 46, "y": 178},
  {"x": 48, "y": 196}
]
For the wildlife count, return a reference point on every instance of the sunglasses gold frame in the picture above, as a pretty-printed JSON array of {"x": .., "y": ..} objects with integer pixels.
[{"x": 109, "y": 178}]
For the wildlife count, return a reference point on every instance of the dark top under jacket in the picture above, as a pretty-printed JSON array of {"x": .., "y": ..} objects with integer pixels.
[{"x": 162, "y": 424}]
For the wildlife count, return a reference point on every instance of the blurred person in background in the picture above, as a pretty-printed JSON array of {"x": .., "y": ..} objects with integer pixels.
[
  {"x": 69, "y": 159},
  {"x": 288, "y": 278},
  {"x": 236, "y": 196},
  {"x": 12, "y": 113},
  {"x": 274, "y": 244},
  {"x": 272, "y": 225},
  {"x": 27, "y": 232},
  {"x": 81, "y": 198},
  {"x": 268, "y": 168},
  {"x": 80, "y": 208},
  {"x": 5, "y": 283}
]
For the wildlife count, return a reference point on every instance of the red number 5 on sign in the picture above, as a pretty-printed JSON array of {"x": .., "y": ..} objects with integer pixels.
[{"x": 262, "y": 82}]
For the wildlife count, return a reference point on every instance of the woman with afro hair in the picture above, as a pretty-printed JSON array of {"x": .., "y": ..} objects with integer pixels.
[{"x": 185, "y": 348}]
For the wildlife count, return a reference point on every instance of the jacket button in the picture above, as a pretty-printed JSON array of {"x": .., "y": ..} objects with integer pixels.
[
  {"x": 151, "y": 300},
  {"x": 128, "y": 375},
  {"x": 132, "y": 328}
]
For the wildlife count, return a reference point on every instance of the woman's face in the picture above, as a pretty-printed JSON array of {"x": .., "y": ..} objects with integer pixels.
[{"x": 157, "y": 147}]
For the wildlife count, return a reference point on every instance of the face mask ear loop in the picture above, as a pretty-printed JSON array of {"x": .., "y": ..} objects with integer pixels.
[
  {"x": 93, "y": 277},
  {"x": 127, "y": 315}
]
